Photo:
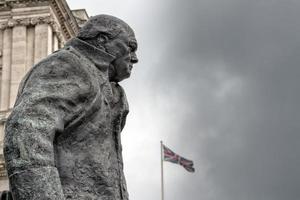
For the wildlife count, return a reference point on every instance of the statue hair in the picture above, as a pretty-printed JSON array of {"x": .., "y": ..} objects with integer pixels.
[{"x": 107, "y": 25}]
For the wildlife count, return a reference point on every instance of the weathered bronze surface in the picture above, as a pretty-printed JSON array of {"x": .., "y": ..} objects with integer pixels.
[{"x": 62, "y": 139}]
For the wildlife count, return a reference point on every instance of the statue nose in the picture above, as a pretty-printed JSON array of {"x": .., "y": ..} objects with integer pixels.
[{"x": 134, "y": 59}]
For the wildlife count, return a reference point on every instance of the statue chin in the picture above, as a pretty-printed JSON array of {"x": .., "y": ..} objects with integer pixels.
[
  {"x": 118, "y": 78},
  {"x": 125, "y": 76}
]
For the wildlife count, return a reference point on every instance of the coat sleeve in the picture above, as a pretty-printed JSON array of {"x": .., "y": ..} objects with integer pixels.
[{"x": 50, "y": 97}]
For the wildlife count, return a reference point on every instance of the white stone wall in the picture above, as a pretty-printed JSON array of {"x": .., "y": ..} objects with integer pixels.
[
  {"x": 29, "y": 31},
  {"x": 22, "y": 43},
  {"x": 22, "y": 47}
]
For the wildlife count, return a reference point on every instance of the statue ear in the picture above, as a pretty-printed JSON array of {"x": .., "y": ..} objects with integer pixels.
[
  {"x": 102, "y": 38},
  {"x": 90, "y": 31}
]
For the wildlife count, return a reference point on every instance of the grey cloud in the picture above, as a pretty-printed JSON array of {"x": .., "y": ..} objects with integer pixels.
[{"x": 248, "y": 138}]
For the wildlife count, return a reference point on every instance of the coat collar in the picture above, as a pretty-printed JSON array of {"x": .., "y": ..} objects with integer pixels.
[{"x": 99, "y": 57}]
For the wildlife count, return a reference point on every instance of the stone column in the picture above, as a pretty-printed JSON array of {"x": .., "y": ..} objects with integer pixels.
[
  {"x": 43, "y": 41},
  {"x": 6, "y": 68},
  {"x": 1, "y": 47},
  {"x": 1, "y": 124},
  {"x": 30, "y": 48},
  {"x": 18, "y": 61},
  {"x": 1, "y": 137},
  {"x": 55, "y": 42}
]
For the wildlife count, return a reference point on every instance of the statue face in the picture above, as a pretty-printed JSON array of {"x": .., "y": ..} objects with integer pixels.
[{"x": 124, "y": 48}]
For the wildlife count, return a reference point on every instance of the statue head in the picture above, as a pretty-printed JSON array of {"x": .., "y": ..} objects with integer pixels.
[{"x": 116, "y": 38}]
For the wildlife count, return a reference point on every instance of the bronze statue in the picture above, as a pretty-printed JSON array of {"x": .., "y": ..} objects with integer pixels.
[{"x": 62, "y": 139}]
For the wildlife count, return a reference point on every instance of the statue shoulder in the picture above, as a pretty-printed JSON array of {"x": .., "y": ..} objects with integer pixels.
[{"x": 62, "y": 68}]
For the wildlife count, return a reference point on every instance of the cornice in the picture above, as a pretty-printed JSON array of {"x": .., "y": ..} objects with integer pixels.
[
  {"x": 10, "y": 23},
  {"x": 20, "y": 3},
  {"x": 65, "y": 19}
]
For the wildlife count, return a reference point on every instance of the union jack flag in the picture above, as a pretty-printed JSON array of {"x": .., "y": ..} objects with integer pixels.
[{"x": 170, "y": 156}]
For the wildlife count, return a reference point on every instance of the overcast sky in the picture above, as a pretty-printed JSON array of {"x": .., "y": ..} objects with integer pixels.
[{"x": 218, "y": 82}]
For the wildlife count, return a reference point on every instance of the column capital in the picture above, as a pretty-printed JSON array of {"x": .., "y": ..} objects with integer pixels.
[
  {"x": 27, "y": 21},
  {"x": 10, "y": 23}
]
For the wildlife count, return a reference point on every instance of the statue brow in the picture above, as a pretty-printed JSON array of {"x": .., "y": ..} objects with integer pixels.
[{"x": 133, "y": 45}]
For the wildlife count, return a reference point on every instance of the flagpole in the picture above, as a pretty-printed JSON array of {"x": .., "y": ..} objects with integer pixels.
[{"x": 162, "y": 170}]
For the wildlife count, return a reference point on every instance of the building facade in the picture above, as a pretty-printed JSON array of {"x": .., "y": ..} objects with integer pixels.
[{"x": 29, "y": 31}]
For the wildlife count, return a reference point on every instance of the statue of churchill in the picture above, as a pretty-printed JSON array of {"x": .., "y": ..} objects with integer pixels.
[{"x": 62, "y": 139}]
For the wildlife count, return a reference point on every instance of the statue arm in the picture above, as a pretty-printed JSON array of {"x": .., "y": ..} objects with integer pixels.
[{"x": 53, "y": 93}]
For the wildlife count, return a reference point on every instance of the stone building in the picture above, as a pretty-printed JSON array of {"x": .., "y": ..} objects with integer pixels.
[{"x": 29, "y": 31}]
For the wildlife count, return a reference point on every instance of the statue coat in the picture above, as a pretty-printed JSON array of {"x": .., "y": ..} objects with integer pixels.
[{"x": 62, "y": 139}]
